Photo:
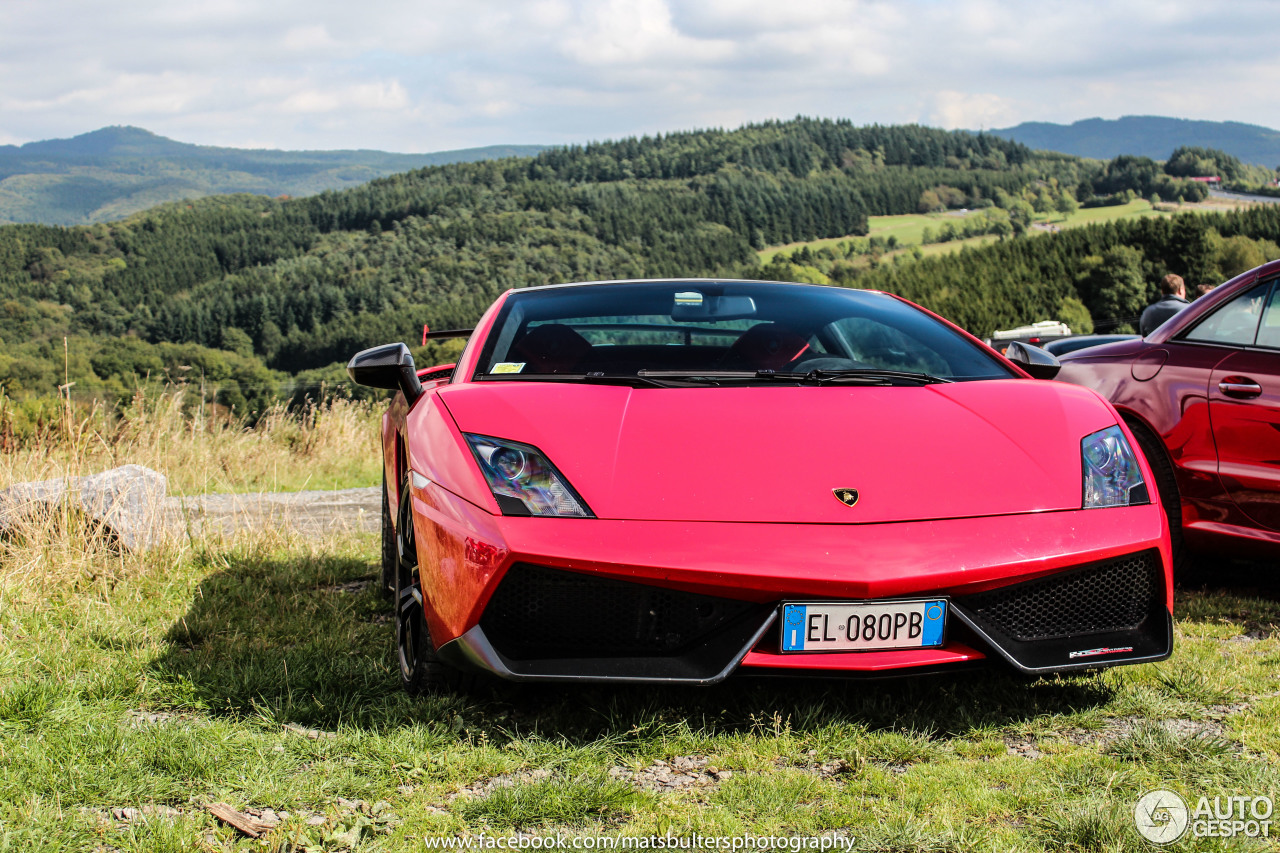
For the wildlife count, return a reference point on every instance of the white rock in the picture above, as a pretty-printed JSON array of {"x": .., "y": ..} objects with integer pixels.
[{"x": 128, "y": 501}]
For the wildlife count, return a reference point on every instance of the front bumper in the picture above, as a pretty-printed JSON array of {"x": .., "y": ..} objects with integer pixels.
[
  {"x": 754, "y": 567},
  {"x": 549, "y": 625}
]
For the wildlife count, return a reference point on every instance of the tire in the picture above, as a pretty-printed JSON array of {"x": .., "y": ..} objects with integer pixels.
[
  {"x": 1167, "y": 489},
  {"x": 388, "y": 546},
  {"x": 421, "y": 672}
]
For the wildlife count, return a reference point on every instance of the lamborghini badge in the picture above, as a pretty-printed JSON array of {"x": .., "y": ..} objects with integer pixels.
[{"x": 848, "y": 497}]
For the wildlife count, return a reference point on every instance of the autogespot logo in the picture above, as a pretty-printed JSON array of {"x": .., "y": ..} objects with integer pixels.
[{"x": 1161, "y": 816}]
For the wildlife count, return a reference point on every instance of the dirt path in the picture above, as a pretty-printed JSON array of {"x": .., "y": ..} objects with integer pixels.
[{"x": 306, "y": 512}]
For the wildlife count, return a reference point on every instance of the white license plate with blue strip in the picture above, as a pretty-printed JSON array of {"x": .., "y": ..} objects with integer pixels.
[{"x": 846, "y": 626}]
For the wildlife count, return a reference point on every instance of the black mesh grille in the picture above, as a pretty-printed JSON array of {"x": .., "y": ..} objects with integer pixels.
[
  {"x": 1113, "y": 596},
  {"x": 543, "y": 613}
]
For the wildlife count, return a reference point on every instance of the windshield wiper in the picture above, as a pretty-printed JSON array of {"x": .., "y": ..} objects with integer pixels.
[
  {"x": 721, "y": 377},
  {"x": 864, "y": 374},
  {"x": 595, "y": 378},
  {"x": 711, "y": 377},
  {"x": 684, "y": 378},
  {"x": 853, "y": 376}
]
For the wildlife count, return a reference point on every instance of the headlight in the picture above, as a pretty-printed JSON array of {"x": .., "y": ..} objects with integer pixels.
[
  {"x": 523, "y": 481},
  {"x": 1111, "y": 473}
]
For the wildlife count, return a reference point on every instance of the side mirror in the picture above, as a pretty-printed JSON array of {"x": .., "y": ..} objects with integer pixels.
[
  {"x": 1037, "y": 362},
  {"x": 388, "y": 366}
]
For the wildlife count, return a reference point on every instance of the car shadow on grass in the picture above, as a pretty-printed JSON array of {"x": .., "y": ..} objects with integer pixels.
[
  {"x": 1233, "y": 575},
  {"x": 307, "y": 640}
]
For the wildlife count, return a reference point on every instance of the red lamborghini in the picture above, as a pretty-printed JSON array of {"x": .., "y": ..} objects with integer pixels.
[{"x": 675, "y": 481}]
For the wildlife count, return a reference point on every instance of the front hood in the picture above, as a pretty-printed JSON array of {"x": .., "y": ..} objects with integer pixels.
[
  {"x": 1116, "y": 349},
  {"x": 774, "y": 454}
]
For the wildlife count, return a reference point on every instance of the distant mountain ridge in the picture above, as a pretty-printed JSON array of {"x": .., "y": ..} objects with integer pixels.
[
  {"x": 1149, "y": 136},
  {"x": 113, "y": 172}
]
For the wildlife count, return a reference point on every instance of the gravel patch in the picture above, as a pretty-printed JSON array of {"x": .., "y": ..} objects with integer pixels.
[
  {"x": 681, "y": 772},
  {"x": 310, "y": 734},
  {"x": 350, "y": 587},
  {"x": 140, "y": 814},
  {"x": 137, "y": 719},
  {"x": 131, "y": 505},
  {"x": 1028, "y": 746},
  {"x": 897, "y": 768},
  {"x": 484, "y": 787},
  {"x": 1252, "y": 636},
  {"x": 1024, "y": 747},
  {"x": 124, "y": 815},
  {"x": 834, "y": 767},
  {"x": 305, "y": 512}
]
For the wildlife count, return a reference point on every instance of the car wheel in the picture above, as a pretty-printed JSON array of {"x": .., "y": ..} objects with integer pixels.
[
  {"x": 420, "y": 670},
  {"x": 388, "y": 545},
  {"x": 1167, "y": 487}
]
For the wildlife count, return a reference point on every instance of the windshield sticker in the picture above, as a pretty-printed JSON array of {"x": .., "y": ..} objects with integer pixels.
[
  {"x": 689, "y": 297},
  {"x": 508, "y": 367}
]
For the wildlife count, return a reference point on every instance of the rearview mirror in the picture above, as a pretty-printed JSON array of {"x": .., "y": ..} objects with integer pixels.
[
  {"x": 694, "y": 305},
  {"x": 1032, "y": 359},
  {"x": 388, "y": 366}
]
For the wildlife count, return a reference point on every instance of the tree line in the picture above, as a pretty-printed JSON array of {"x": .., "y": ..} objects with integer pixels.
[{"x": 290, "y": 288}]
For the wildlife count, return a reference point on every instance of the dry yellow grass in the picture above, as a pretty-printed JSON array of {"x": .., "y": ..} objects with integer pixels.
[
  {"x": 51, "y": 553},
  {"x": 60, "y": 558},
  {"x": 329, "y": 446}
]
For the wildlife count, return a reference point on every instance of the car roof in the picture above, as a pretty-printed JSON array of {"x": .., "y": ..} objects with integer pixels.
[
  {"x": 1221, "y": 294},
  {"x": 667, "y": 281}
]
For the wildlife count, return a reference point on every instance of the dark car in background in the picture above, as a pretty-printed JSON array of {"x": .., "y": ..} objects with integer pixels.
[{"x": 1202, "y": 396}]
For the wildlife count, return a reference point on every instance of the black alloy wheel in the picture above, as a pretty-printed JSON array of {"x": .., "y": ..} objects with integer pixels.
[
  {"x": 388, "y": 545},
  {"x": 420, "y": 670},
  {"x": 411, "y": 642}
]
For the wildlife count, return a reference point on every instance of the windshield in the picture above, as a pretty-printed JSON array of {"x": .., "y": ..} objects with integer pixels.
[{"x": 628, "y": 328}]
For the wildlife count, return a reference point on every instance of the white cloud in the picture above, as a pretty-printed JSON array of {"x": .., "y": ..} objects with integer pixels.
[
  {"x": 417, "y": 75},
  {"x": 964, "y": 111},
  {"x": 634, "y": 32},
  {"x": 308, "y": 39},
  {"x": 359, "y": 97}
]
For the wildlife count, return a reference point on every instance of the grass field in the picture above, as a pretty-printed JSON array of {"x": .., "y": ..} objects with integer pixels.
[
  {"x": 139, "y": 692},
  {"x": 909, "y": 228},
  {"x": 258, "y": 674},
  {"x": 331, "y": 446}
]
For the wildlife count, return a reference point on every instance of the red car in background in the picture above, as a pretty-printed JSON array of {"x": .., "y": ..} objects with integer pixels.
[
  {"x": 673, "y": 481},
  {"x": 1201, "y": 395}
]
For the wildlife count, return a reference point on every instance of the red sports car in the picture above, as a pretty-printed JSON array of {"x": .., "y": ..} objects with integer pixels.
[
  {"x": 674, "y": 481},
  {"x": 1201, "y": 395}
]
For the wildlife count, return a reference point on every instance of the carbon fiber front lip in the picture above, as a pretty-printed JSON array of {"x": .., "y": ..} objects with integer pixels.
[
  {"x": 474, "y": 651},
  {"x": 1149, "y": 646}
]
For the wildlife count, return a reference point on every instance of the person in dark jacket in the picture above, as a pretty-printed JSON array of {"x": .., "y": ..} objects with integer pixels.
[{"x": 1173, "y": 301}]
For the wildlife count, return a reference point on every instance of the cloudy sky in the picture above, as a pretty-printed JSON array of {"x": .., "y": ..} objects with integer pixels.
[{"x": 429, "y": 75}]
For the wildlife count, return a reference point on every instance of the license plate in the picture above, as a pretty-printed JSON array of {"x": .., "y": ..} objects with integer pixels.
[{"x": 845, "y": 626}]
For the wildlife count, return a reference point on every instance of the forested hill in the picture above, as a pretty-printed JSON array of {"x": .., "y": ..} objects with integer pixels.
[
  {"x": 1149, "y": 136},
  {"x": 236, "y": 288},
  {"x": 116, "y": 171}
]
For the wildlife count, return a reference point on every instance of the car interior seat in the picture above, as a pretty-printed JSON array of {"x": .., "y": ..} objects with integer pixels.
[
  {"x": 552, "y": 348},
  {"x": 768, "y": 346}
]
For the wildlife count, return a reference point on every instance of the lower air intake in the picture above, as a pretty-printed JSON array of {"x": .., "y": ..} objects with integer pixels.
[
  {"x": 1113, "y": 596},
  {"x": 539, "y": 613}
]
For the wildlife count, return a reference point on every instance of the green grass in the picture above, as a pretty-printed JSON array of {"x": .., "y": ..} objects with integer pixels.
[
  {"x": 1136, "y": 209},
  {"x": 172, "y": 687},
  {"x": 909, "y": 228}
]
